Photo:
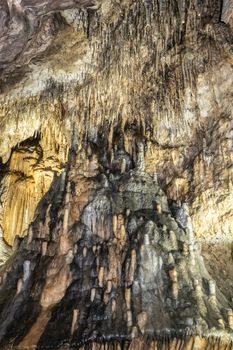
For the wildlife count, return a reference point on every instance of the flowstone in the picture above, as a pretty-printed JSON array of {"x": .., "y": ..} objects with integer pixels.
[{"x": 120, "y": 269}]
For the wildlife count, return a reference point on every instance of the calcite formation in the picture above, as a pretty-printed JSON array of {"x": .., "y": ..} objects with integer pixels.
[
  {"x": 29, "y": 174},
  {"x": 108, "y": 260},
  {"x": 116, "y": 174}
]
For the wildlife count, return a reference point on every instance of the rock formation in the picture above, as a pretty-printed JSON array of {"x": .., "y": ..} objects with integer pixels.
[{"x": 116, "y": 174}]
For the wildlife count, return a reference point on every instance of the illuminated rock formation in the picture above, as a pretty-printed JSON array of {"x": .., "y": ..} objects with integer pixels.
[
  {"x": 116, "y": 167},
  {"x": 29, "y": 175},
  {"x": 103, "y": 264}
]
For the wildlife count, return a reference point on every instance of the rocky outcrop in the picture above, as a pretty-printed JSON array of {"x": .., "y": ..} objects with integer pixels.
[
  {"x": 109, "y": 260},
  {"x": 27, "y": 29},
  {"x": 227, "y": 11},
  {"x": 27, "y": 177},
  {"x": 116, "y": 134}
]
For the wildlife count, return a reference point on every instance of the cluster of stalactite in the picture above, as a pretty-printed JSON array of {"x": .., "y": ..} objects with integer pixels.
[
  {"x": 155, "y": 86},
  {"x": 26, "y": 177},
  {"x": 142, "y": 90}
]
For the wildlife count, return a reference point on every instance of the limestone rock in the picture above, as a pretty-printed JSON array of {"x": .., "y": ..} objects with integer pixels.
[{"x": 116, "y": 214}]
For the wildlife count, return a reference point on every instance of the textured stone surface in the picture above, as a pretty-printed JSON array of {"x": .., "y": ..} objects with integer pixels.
[
  {"x": 141, "y": 92},
  {"x": 227, "y": 11},
  {"x": 175, "y": 95},
  {"x": 27, "y": 29},
  {"x": 109, "y": 260}
]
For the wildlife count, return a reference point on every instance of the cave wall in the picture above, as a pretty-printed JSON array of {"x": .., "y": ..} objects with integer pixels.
[
  {"x": 100, "y": 78},
  {"x": 171, "y": 86}
]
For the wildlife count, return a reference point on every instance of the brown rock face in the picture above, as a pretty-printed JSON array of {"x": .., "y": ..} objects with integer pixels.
[
  {"x": 227, "y": 11},
  {"x": 116, "y": 174}
]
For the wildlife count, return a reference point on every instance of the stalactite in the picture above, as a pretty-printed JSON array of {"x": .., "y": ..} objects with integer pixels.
[{"x": 108, "y": 239}]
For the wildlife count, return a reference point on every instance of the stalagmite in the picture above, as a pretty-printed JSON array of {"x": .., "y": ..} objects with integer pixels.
[
  {"x": 128, "y": 297},
  {"x": 123, "y": 233},
  {"x": 109, "y": 286},
  {"x": 123, "y": 166},
  {"x": 127, "y": 212},
  {"x": 114, "y": 223},
  {"x": 146, "y": 239},
  {"x": 141, "y": 321},
  {"x": 230, "y": 318},
  {"x": 158, "y": 208},
  {"x": 185, "y": 249},
  {"x": 155, "y": 178},
  {"x": 19, "y": 285},
  {"x": 84, "y": 252},
  {"x": 212, "y": 288},
  {"x": 132, "y": 266},
  {"x": 171, "y": 260},
  {"x": 101, "y": 276},
  {"x": 221, "y": 323},
  {"x": 93, "y": 292},
  {"x": 129, "y": 319},
  {"x": 113, "y": 306},
  {"x": 173, "y": 239},
  {"x": 67, "y": 209},
  {"x": 198, "y": 288},
  {"x": 26, "y": 270},
  {"x": 44, "y": 248},
  {"x": 140, "y": 166},
  {"x": 30, "y": 235},
  {"x": 134, "y": 332},
  {"x": 74, "y": 320},
  {"x": 173, "y": 277}
]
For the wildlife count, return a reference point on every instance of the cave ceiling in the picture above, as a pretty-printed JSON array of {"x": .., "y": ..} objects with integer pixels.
[{"x": 116, "y": 149}]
